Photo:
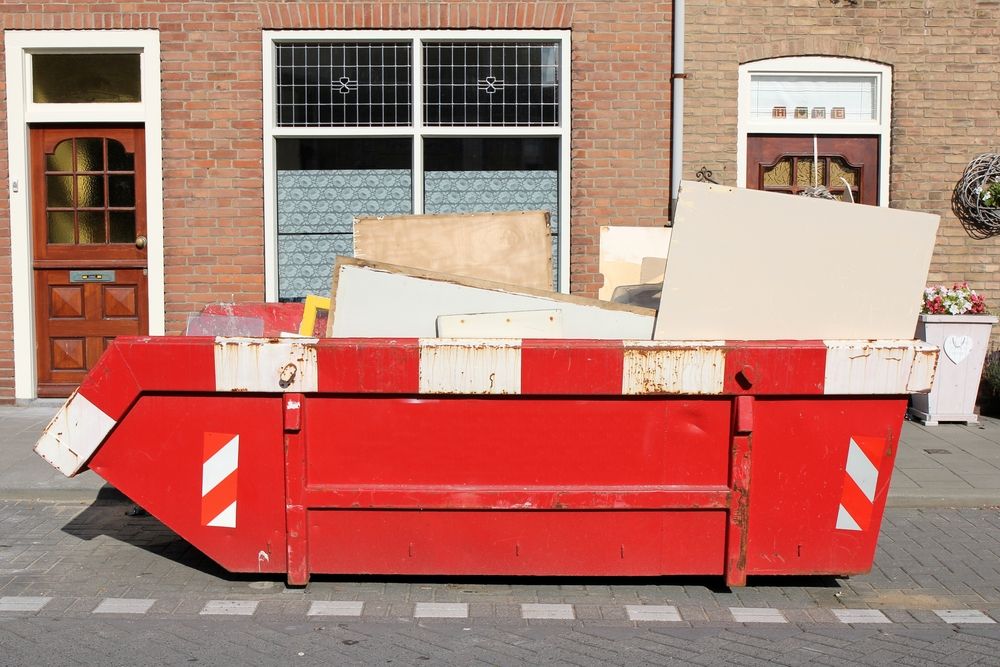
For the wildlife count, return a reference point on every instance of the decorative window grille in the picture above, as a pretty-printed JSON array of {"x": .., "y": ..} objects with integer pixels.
[
  {"x": 343, "y": 84},
  {"x": 491, "y": 83}
]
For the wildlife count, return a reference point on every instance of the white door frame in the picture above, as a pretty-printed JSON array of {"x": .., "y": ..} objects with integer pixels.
[
  {"x": 21, "y": 110},
  {"x": 798, "y": 65}
]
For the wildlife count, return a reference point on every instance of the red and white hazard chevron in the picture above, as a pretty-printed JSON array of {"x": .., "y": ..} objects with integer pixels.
[
  {"x": 220, "y": 464},
  {"x": 132, "y": 366},
  {"x": 857, "y": 502}
]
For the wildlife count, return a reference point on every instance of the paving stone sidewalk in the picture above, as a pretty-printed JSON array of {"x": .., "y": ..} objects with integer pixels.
[{"x": 933, "y": 566}]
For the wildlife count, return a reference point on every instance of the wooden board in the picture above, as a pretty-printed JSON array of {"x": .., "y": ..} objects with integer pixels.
[
  {"x": 751, "y": 265},
  {"x": 371, "y": 299},
  {"x": 515, "y": 324},
  {"x": 622, "y": 250},
  {"x": 513, "y": 248}
]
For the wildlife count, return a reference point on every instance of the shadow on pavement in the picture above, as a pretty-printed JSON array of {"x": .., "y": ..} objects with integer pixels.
[{"x": 113, "y": 515}]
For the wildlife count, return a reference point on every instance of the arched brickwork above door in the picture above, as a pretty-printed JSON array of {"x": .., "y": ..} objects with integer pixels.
[{"x": 815, "y": 46}]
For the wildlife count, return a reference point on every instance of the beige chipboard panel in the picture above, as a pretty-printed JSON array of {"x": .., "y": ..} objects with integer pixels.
[{"x": 751, "y": 265}]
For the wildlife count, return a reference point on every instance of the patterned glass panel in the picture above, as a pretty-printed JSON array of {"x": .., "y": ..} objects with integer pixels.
[
  {"x": 343, "y": 84},
  {"x": 86, "y": 78},
  {"x": 322, "y": 184},
  {"x": 118, "y": 158},
  {"x": 60, "y": 227},
  {"x": 91, "y": 224},
  {"x": 806, "y": 177},
  {"x": 89, "y": 191},
  {"x": 81, "y": 196},
  {"x": 61, "y": 159},
  {"x": 839, "y": 169},
  {"x": 779, "y": 175},
  {"x": 122, "y": 226},
  {"x": 59, "y": 191},
  {"x": 475, "y": 175},
  {"x": 121, "y": 190},
  {"x": 491, "y": 83},
  {"x": 90, "y": 155}
]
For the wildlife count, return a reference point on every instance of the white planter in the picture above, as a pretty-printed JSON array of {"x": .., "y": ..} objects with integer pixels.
[{"x": 963, "y": 340}]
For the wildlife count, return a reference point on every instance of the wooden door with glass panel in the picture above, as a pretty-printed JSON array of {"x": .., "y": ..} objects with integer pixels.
[
  {"x": 88, "y": 204},
  {"x": 846, "y": 166}
]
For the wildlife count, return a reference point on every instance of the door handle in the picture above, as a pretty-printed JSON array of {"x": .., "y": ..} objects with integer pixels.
[{"x": 140, "y": 242}]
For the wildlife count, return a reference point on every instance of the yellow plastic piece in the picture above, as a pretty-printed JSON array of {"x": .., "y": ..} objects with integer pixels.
[{"x": 313, "y": 303}]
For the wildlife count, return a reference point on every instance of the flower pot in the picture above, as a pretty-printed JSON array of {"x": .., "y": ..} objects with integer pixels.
[{"x": 963, "y": 340}]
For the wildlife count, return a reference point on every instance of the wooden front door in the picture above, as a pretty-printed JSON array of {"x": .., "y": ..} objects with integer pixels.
[
  {"x": 791, "y": 163},
  {"x": 88, "y": 212}
]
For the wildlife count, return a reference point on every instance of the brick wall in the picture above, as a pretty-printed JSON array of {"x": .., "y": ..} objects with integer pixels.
[
  {"x": 212, "y": 115},
  {"x": 945, "y": 57}
]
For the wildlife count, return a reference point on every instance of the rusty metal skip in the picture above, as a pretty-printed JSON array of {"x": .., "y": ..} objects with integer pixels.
[{"x": 512, "y": 457}]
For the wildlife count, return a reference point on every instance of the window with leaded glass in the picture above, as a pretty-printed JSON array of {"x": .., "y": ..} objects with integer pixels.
[{"x": 432, "y": 122}]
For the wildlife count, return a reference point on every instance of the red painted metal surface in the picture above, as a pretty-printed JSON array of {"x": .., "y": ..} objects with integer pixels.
[
  {"x": 367, "y": 471},
  {"x": 616, "y": 542},
  {"x": 155, "y": 457},
  {"x": 799, "y": 455}
]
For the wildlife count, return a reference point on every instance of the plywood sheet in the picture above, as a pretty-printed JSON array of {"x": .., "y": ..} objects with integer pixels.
[
  {"x": 513, "y": 248},
  {"x": 751, "y": 265},
  {"x": 372, "y": 299},
  {"x": 622, "y": 250},
  {"x": 515, "y": 324}
]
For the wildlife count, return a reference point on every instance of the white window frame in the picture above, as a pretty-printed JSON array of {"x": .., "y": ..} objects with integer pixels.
[
  {"x": 19, "y": 47},
  {"x": 416, "y": 130},
  {"x": 820, "y": 65}
]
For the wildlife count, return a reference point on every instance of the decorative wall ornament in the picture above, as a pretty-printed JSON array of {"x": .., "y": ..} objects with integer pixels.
[
  {"x": 705, "y": 176},
  {"x": 976, "y": 200}
]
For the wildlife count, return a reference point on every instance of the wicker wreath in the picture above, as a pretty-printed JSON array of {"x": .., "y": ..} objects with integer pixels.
[{"x": 980, "y": 220}]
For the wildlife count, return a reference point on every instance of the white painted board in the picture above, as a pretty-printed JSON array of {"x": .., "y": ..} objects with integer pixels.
[
  {"x": 370, "y": 299},
  {"x": 622, "y": 250},
  {"x": 751, "y": 265},
  {"x": 516, "y": 324}
]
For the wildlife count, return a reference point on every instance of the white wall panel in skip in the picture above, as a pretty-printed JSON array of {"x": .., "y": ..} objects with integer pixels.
[
  {"x": 517, "y": 324},
  {"x": 751, "y": 265},
  {"x": 384, "y": 301}
]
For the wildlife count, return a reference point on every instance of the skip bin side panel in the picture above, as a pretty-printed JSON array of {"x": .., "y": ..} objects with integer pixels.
[
  {"x": 211, "y": 468},
  {"x": 594, "y": 543},
  {"x": 821, "y": 473},
  {"x": 578, "y": 443}
]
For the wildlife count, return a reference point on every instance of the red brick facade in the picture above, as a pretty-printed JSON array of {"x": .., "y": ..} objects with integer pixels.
[
  {"x": 212, "y": 123},
  {"x": 944, "y": 56},
  {"x": 945, "y": 59}
]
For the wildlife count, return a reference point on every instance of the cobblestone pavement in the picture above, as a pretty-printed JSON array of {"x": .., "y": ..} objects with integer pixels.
[{"x": 78, "y": 582}]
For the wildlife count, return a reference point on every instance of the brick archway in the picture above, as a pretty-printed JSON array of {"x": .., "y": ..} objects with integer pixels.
[{"x": 815, "y": 46}]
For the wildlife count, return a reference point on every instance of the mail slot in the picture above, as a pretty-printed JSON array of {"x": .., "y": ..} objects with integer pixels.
[{"x": 91, "y": 276}]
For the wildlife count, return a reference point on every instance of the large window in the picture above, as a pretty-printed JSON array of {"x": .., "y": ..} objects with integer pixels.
[{"x": 383, "y": 123}]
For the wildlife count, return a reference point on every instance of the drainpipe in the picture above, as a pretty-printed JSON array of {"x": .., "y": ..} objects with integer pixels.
[{"x": 677, "y": 77}]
